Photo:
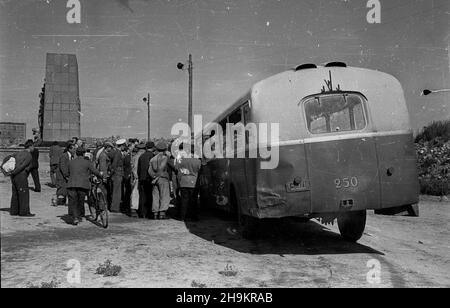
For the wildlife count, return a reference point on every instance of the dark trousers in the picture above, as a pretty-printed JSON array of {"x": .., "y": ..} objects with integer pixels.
[
  {"x": 53, "y": 170},
  {"x": 188, "y": 206},
  {"x": 116, "y": 193},
  {"x": 77, "y": 197},
  {"x": 126, "y": 195},
  {"x": 20, "y": 199},
  {"x": 35, "y": 175},
  {"x": 145, "y": 199}
]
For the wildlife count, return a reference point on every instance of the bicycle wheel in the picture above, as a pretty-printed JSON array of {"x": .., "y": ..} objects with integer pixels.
[
  {"x": 103, "y": 209},
  {"x": 93, "y": 207}
]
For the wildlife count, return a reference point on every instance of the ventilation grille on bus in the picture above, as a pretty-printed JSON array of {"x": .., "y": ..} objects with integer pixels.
[
  {"x": 336, "y": 64},
  {"x": 305, "y": 67}
]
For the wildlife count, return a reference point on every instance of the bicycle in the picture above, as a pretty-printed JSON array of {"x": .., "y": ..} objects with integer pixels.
[{"x": 97, "y": 202}]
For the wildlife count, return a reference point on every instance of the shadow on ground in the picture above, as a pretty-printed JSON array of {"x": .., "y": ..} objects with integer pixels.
[{"x": 280, "y": 237}]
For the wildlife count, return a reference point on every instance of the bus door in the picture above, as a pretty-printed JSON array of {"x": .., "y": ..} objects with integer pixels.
[
  {"x": 220, "y": 173},
  {"x": 342, "y": 156}
]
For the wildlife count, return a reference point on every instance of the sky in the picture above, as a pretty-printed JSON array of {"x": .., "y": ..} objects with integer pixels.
[{"x": 128, "y": 48}]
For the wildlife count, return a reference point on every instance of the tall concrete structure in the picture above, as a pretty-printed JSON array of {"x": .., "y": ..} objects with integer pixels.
[{"x": 62, "y": 107}]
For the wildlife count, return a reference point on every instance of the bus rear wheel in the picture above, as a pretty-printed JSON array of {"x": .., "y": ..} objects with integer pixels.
[{"x": 352, "y": 224}]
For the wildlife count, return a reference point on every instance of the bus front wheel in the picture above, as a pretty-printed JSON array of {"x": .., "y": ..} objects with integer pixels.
[
  {"x": 352, "y": 224},
  {"x": 248, "y": 226}
]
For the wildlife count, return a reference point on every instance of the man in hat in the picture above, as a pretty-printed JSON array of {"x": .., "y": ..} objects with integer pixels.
[
  {"x": 188, "y": 168},
  {"x": 20, "y": 199},
  {"x": 159, "y": 173},
  {"x": 34, "y": 168},
  {"x": 139, "y": 151},
  {"x": 78, "y": 185},
  {"x": 62, "y": 174},
  {"x": 145, "y": 182},
  {"x": 55, "y": 154},
  {"x": 117, "y": 173}
]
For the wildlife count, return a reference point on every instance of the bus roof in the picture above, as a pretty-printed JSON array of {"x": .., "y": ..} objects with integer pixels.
[{"x": 276, "y": 98}]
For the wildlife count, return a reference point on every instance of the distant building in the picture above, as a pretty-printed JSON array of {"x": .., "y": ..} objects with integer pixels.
[
  {"x": 60, "y": 113},
  {"x": 12, "y": 133}
]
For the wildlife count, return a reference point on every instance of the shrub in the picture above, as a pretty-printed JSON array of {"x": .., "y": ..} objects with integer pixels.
[
  {"x": 436, "y": 130},
  {"x": 433, "y": 153}
]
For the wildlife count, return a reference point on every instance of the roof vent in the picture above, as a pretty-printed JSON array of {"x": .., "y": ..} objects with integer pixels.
[
  {"x": 336, "y": 64},
  {"x": 305, "y": 67}
]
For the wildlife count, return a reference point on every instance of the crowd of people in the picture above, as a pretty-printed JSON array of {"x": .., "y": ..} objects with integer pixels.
[{"x": 139, "y": 179}]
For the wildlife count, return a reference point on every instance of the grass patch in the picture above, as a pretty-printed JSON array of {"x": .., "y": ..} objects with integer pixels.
[
  {"x": 229, "y": 271},
  {"x": 53, "y": 284},
  {"x": 108, "y": 269},
  {"x": 198, "y": 285}
]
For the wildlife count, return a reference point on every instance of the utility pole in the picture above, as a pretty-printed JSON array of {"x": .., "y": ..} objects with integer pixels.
[
  {"x": 147, "y": 101},
  {"x": 191, "y": 70}
]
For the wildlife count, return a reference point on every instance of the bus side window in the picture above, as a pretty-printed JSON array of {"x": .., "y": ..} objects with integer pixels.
[
  {"x": 223, "y": 124},
  {"x": 247, "y": 120}
]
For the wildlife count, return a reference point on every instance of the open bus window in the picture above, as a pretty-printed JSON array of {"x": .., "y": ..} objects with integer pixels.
[
  {"x": 335, "y": 113},
  {"x": 235, "y": 117},
  {"x": 247, "y": 117}
]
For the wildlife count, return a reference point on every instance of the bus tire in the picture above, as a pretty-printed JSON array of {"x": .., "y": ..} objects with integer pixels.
[
  {"x": 352, "y": 224},
  {"x": 247, "y": 224}
]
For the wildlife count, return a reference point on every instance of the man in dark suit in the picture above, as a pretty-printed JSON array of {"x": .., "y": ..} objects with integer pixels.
[
  {"x": 78, "y": 185},
  {"x": 188, "y": 168},
  {"x": 62, "y": 173},
  {"x": 117, "y": 176},
  {"x": 145, "y": 182},
  {"x": 34, "y": 169},
  {"x": 20, "y": 199},
  {"x": 126, "y": 184},
  {"x": 55, "y": 154}
]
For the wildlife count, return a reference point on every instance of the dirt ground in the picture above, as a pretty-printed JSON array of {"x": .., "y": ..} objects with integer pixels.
[{"x": 410, "y": 252}]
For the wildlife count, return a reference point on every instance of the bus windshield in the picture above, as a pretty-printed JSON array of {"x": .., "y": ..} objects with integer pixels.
[{"x": 331, "y": 113}]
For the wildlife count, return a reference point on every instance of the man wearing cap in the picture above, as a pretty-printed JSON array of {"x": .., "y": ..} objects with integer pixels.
[
  {"x": 145, "y": 182},
  {"x": 126, "y": 183},
  {"x": 78, "y": 185},
  {"x": 116, "y": 172},
  {"x": 20, "y": 199},
  {"x": 102, "y": 162},
  {"x": 158, "y": 171}
]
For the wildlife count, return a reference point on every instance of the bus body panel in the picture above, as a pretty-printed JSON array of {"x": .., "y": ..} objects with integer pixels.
[
  {"x": 344, "y": 175},
  {"x": 372, "y": 168},
  {"x": 285, "y": 190},
  {"x": 398, "y": 170}
]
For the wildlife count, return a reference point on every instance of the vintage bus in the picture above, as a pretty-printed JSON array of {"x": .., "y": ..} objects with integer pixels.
[{"x": 345, "y": 147}]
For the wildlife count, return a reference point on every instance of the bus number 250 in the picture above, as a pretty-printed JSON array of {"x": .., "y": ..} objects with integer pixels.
[{"x": 346, "y": 182}]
